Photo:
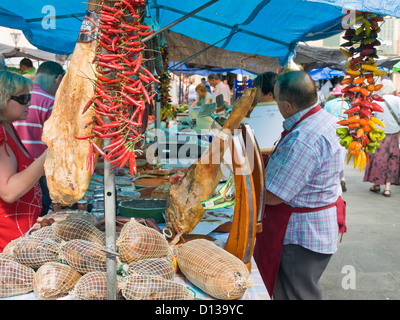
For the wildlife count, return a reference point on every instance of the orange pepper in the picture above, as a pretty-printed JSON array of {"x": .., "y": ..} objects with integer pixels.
[
  {"x": 370, "y": 80},
  {"x": 355, "y": 145},
  {"x": 355, "y": 89},
  {"x": 364, "y": 92},
  {"x": 358, "y": 80},
  {"x": 364, "y": 121},
  {"x": 378, "y": 87},
  {"x": 346, "y": 81},
  {"x": 360, "y": 133},
  {"x": 367, "y": 128},
  {"x": 371, "y": 87},
  {"x": 353, "y": 125},
  {"x": 343, "y": 122},
  {"x": 355, "y": 118}
]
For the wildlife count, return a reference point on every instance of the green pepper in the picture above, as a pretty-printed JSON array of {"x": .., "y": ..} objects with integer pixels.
[
  {"x": 345, "y": 142},
  {"x": 342, "y": 132},
  {"x": 372, "y": 146},
  {"x": 381, "y": 137},
  {"x": 373, "y": 135}
]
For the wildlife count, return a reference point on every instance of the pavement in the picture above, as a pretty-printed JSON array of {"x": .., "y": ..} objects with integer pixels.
[{"x": 366, "y": 265}]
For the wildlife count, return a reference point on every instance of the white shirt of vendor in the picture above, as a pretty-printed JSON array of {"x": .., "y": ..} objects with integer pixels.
[
  {"x": 224, "y": 89},
  {"x": 266, "y": 121},
  {"x": 391, "y": 125}
]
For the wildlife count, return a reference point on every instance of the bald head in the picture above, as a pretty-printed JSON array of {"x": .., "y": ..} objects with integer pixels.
[{"x": 297, "y": 88}]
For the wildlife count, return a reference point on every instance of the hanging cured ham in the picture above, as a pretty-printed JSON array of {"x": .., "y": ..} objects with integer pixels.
[
  {"x": 65, "y": 165},
  {"x": 184, "y": 210}
]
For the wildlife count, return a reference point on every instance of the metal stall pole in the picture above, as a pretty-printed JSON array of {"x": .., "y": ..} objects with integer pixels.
[{"x": 110, "y": 220}]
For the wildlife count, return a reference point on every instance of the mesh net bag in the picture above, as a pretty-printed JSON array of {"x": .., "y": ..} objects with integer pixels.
[
  {"x": 33, "y": 252},
  {"x": 93, "y": 286},
  {"x": 84, "y": 256},
  {"x": 10, "y": 246},
  {"x": 153, "y": 267},
  {"x": 54, "y": 280},
  {"x": 5, "y": 255},
  {"x": 86, "y": 216},
  {"x": 213, "y": 269},
  {"x": 143, "y": 287},
  {"x": 75, "y": 228},
  {"x": 15, "y": 278},
  {"x": 44, "y": 233},
  {"x": 137, "y": 242}
]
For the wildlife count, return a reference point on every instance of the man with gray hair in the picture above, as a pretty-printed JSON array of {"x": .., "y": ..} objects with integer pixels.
[
  {"x": 304, "y": 212},
  {"x": 46, "y": 83},
  {"x": 219, "y": 88}
]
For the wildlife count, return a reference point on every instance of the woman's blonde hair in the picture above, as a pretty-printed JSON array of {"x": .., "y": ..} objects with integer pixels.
[
  {"x": 11, "y": 84},
  {"x": 201, "y": 88}
]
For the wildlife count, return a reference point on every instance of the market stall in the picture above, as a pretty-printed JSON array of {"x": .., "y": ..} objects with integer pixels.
[
  {"x": 89, "y": 246},
  {"x": 201, "y": 244}
]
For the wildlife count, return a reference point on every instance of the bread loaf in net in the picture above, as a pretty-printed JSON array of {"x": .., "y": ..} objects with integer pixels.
[
  {"x": 70, "y": 229},
  {"x": 93, "y": 286},
  {"x": 54, "y": 280},
  {"x": 84, "y": 256},
  {"x": 15, "y": 278},
  {"x": 144, "y": 287},
  {"x": 153, "y": 267},
  {"x": 138, "y": 241},
  {"x": 34, "y": 252},
  {"x": 213, "y": 269}
]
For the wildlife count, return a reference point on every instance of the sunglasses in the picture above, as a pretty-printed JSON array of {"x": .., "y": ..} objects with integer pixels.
[{"x": 22, "y": 99}]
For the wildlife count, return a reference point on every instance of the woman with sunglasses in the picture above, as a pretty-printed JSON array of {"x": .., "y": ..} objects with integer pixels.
[{"x": 20, "y": 193}]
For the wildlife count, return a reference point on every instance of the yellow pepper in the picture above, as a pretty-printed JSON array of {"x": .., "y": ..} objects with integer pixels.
[
  {"x": 348, "y": 157},
  {"x": 346, "y": 53},
  {"x": 357, "y": 159},
  {"x": 353, "y": 72},
  {"x": 363, "y": 160},
  {"x": 379, "y": 72},
  {"x": 369, "y": 67},
  {"x": 378, "y": 122}
]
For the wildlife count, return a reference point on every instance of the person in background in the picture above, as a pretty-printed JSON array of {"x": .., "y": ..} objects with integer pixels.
[
  {"x": 20, "y": 194},
  {"x": 191, "y": 89},
  {"x": 208, "y": 87},
  {"x": 46, "y": 83},
  {"x": 219, "y": 88},
  {"x": 203, "y": 96},
  {"x": 388, "y": 84},
  {"x": 265, "y": 118},
  {"x": 2, "y": 62},
  {"x": 337, "y": 107},
  {"x": 304, "y": 212},
  {"x": 26, "y": 68},
  {"x": 383, "y": 167}
]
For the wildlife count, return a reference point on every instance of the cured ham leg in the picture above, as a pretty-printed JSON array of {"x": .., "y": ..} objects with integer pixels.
[
  {"x": 65, "y": 165},
  {"x": 184, "y": 210}
]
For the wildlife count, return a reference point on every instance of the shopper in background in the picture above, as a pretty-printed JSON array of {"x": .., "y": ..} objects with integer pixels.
[
  {"x": 383, "y": 167},
  {"x": 337, "y": 106},
  {"x": 26, "y": 68},
  {"x": 46, "y": 83},
  {"x": 20, "y": 194},
  {"x": 191, "y": 90},
  {"x": 208, "y": 87},
  {"x": 219, "y": 88}
]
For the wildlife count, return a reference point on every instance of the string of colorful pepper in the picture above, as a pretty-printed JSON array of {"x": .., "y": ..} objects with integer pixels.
[
  {"x": 121, "y": 86},
  {"x": 360, "y": 134}
]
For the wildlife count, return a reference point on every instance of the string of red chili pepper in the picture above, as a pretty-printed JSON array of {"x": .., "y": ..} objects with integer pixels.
[{"x": 121, "y": 86}]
